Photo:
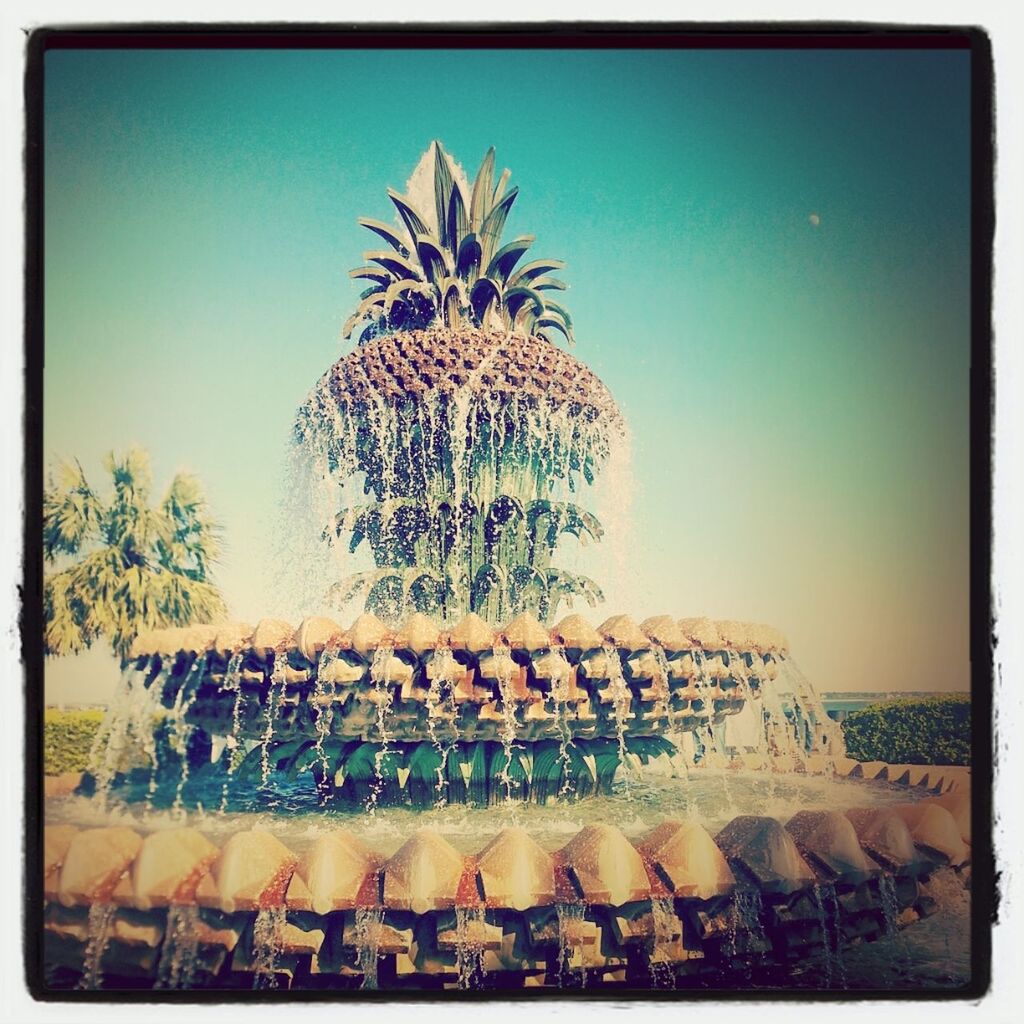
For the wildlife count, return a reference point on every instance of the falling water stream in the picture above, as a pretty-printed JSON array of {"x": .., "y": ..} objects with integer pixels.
[
  {"x": 745, "y": 916},
  {"x": 178, "y": 957},
  {"x": 324, "y": 698},
  {"x": 267, "y": 942},
  {"x": 621, "y": 701},
  {"x": 570, "y": 916},
  {"x": 232, "y": 682},
  {"x": 469, "y": 946},
  {"x": 666, "y": 926},
  {"x": 127, "y": 728},
  {"x": 274, "y": 693},
  {"x": 101, "y": 918},
  {"x": 560, "y": 677},
  {"x": 369, "y": 922},
  {"x": 380, "y": 675},
  {"x": 441, "y": 708},
  {"x": 505, "y": 669}
]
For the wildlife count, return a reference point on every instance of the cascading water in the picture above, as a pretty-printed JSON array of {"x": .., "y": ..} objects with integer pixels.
[
  {"x": 368, "y": 924},
  {"x": 825, "y": 736},
  {"x": 232, "y": 682},
  {"x": 560, "y": 676},
  {"x": 890, "y": 912},
  {"x": 274, "y": 692},
  {"x": 505, "y": 668},
  {"x": 441, "y": 709},
  {"x": 127, "y": 727},
  {"x": 818, "y": 896},
  {"x": 178, "y": 957},
  {"x": 660, "y": 683},
  {"x": 462, "y": 457},
  {"x": 784, "y": 748},
  {"x": 324, "y": 699},
  {"x": 380, "y": 674},
  {"x": 469, "y": 949},
  {"x": 570, "y": 916},
  {"x": 101, "y": 918},
  {"x": 665, "y": 925},
  {"x": 745, "y": 916},
  {"x": 181, "y": 730},
  {"x": 267, "y": 941},
  {"x": 622, "y": 700}
]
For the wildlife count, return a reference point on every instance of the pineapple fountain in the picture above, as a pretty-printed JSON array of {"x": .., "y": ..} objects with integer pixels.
[{"x": 470, "y": 435}]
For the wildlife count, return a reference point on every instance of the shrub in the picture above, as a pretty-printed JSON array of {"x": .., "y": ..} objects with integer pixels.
[
  {"x": 931, "y": 730},
  {"x": 67, "y": 739}
]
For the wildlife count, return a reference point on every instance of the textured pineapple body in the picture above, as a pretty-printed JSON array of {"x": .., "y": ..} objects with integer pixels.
[{"x": 402, "y": 367}]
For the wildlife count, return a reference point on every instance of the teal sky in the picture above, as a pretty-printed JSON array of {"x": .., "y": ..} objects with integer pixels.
[{"x": 797, "y": 393}]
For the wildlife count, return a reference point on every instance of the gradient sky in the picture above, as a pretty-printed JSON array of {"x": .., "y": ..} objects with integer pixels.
[{"x": 797, "y": 392}]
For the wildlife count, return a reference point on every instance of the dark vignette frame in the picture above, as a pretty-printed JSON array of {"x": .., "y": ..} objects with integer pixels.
[{"x": 550, "y": 35}]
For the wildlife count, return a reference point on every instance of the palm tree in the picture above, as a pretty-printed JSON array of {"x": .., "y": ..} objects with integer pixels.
[
  {"x": 470, "y": 427},
  {"x": 118, "y": 564}
]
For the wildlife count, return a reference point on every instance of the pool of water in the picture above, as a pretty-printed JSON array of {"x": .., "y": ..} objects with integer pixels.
[
  {"x": 712, "y": 797},
  {"x": 931, "y": 954}
]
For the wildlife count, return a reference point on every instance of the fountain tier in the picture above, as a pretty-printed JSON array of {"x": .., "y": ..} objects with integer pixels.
[
  {"x": 470, "y": 714},
  {"x": 675, "y": 904}
]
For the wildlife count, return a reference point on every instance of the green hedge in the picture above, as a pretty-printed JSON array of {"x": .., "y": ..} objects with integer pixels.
[
  {"x": 67, "y": 739},
  {"x": 933, "y": 730}
]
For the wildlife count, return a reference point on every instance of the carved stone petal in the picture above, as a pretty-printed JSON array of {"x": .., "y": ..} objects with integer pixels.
[
  {"x": 884, "y": 834},
  {"x": 958, "y": 803},
  {"x": 196, "y": 639},
  {"x": 170, "y": 641},
  {"x": 735, "y": 635},
  {"x": 477, "y": 935},
  {"x": 134, "y": 929},
  {"x": 702, "y": 632},
  {"x": 297, "y": 941},
  {"x": 367, "y": 633},
  {"x": 828, "y": 842},
  {"x": 766, "y": 852},
  {"x": 472, "y": 634},
  {"x": 576, "y": 633},
  {"x": 525, "y": 632},
  {"x": 169, "y": 866},
  {"x": 148, "y": 643},
  {"x": 314, "y": 634},
  {"x": 606, "y": 866},
  {"x": 387, "y": 940},
  {"x": 231, "y": 637},
  {"x": 419, "y": 634},
  {"x": 424, "y": 874},
  {"x": 96, "y": 859},
  {"x": 56, "y": 840},
  {"x": 252, "y": 872},
  {"x": 622, "y": 631},
  {"x": 334, "y": 870},
  {"x": 932, "y": 827},
  {"x": 774, "y": 640},
  {"x": 271, "y": 635},
  {"x": 516, "y": 871},
  {"x": 688, "y": 859},
  {"x": 665, "y": 631}
]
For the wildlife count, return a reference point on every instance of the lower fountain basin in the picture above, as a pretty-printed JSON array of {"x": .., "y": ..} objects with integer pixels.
[{"x": 664, "y": 884}]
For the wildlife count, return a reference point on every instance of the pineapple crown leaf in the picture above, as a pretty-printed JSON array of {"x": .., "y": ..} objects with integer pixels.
[{"x": 449, "y": 267}]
